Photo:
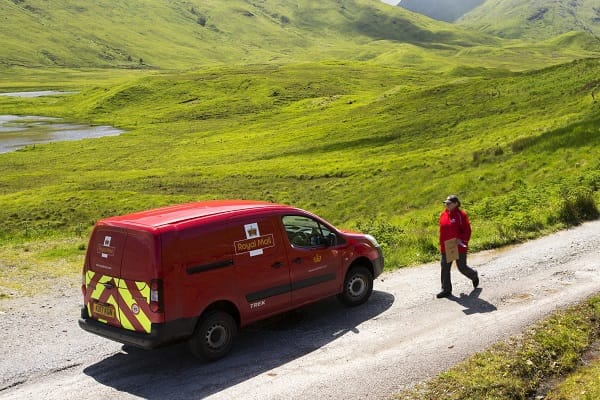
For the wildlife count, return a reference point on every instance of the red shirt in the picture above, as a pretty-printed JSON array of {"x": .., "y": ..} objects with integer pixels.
[{"x": 455, "y": 224}]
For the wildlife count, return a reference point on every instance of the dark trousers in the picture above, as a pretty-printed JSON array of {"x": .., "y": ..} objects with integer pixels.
[{"x": 464, "y": 269}]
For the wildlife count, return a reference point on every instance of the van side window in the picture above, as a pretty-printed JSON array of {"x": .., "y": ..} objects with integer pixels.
[{"x": 305, "y": 232}]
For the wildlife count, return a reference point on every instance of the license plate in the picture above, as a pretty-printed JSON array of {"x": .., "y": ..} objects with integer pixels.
[{"x": 105, "y": 310}]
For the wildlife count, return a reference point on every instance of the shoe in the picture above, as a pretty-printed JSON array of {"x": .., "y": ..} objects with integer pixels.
[
  {"x": 476, "y": 282},
  {"x": 441, "y": 295}
]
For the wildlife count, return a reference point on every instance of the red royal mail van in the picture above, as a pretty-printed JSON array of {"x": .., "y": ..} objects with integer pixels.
[{"x": 199, "y": 271}]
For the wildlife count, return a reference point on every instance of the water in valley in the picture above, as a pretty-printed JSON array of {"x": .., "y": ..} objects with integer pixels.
[{"x": 19, "y": 131}]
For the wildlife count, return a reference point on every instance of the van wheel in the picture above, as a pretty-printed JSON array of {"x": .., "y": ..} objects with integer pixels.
[
  {"x": 213, "y": 337},
  {"x": 358, "y": 286}
]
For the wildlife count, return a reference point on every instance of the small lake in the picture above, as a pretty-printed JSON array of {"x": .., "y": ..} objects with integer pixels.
[
  {"x": 19, "y": 131},
  {"x": 39, "y": 93}
]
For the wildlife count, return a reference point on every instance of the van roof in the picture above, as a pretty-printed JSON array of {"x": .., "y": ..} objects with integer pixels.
[{"x": 182, "y": 212}]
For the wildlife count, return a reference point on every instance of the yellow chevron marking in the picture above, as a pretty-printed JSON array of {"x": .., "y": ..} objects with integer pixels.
[{"x": 127, "y": 299}]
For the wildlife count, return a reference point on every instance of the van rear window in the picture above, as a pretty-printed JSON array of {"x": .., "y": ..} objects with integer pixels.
[{"x": 139, "y": 257}]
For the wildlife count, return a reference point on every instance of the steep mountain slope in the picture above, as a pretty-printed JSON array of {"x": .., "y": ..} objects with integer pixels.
[
  {"x": 189, "y": 33},
  {"x": 537, "y": 19},
  {"x": 443, "y": 10}
]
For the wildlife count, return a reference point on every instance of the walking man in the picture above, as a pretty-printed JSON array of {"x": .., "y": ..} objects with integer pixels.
[{"x": 455, "y": 229}]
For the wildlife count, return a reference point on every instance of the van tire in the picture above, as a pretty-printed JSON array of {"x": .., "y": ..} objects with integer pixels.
[
  {"x": 213, "y": 337},
  {"x": 358, "y": 286}
]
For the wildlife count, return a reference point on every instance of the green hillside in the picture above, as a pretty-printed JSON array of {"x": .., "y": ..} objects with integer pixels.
[
  {"x": 193, "y": 33},
  {"x": 368, "y": 146},
  {"x": 535, "y": 20}
]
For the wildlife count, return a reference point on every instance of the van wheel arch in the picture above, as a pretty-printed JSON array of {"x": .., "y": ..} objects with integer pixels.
[
  {"x": 225, "y": 306},
  {"x": 363, "y": 262}
]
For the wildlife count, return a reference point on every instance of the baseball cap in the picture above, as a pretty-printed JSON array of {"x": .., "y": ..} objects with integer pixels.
[{"x": 451, "y": 199}]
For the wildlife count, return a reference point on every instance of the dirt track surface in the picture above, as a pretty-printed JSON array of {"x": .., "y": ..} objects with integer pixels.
[{"x": 402, "y": 336}]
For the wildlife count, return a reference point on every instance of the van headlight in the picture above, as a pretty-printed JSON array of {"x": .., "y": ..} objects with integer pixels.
[{"x": 372, "y": 240}]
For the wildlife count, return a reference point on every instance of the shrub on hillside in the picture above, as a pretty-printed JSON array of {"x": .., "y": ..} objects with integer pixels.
[
  {"x": 387, "y": 234},
  {"x": 577, "y": 207},
  {"x": 401, "y": 246}
]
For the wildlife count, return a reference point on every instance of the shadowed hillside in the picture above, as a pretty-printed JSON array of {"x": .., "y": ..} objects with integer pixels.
[{"x": 443, "y": 10}]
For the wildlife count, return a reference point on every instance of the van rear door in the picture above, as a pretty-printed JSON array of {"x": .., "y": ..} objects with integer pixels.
[
  {"x": 120, "y": 264},
  {"x": 102, "y": 272}
]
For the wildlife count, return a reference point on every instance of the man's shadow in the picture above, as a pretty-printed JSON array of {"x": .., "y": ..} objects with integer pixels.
[{"x": 472, "y": 303}]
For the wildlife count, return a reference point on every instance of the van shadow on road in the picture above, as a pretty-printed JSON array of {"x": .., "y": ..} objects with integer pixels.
[
  {"x": 472, "y": 303},
  {"x": 172, "y": 372}
]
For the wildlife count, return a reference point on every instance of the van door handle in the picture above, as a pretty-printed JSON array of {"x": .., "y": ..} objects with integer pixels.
[
  {"x": 277, "y": 265},
  {"x": 297, "y": 260}
]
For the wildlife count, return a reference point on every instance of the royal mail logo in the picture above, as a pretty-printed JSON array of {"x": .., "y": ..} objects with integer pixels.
[
  {"x": 317, "y": 258},
  {"x": 105, "y": 250},
  {"x": 251, "y": 245}
]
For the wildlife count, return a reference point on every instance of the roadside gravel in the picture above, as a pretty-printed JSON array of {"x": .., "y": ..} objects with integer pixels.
[{"x": 402, "y": 336}]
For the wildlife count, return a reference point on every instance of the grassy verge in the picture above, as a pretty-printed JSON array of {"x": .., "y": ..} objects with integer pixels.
[
  {"x": 580, "y": 385},
  {"x": 36, "y": 267},
  {"x": 516, "y": 369}
]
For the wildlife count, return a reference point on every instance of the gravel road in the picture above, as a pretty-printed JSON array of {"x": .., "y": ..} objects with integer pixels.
[{"x": 402, "y": 336}]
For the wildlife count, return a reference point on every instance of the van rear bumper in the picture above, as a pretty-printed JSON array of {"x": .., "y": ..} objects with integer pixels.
[{"x": 160, "y": 334}]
